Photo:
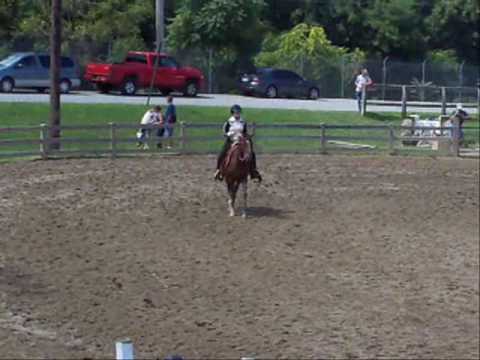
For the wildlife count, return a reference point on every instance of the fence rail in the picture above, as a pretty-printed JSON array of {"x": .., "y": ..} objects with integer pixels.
[
  {"x": 417, "y": 95},
  {"x": 114, "y": 139}
]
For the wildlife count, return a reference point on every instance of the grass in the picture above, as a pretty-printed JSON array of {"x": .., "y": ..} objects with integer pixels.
[{"x": 28, "y": 114}]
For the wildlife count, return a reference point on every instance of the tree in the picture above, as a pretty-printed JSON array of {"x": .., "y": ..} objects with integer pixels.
[
  {"x": 90, "y": 27},
  {"x": 9, "y": 14},
  {"x": 305, "y": 46},
  {"x": 217, "y": 34},
  {"x": 216, "y": 24},
  {"x": 396, "y": 29},
  {"x": 455, "y": 24}
]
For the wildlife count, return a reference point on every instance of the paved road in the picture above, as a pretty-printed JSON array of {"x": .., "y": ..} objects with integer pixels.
[{"x": 88, "y": 97}]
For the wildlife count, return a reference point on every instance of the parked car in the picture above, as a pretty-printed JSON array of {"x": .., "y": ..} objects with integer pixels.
[
  {"x": 274, "y": 83},
  {"x": 137, "y": 70},
  {"x": 32, "y": 71}
]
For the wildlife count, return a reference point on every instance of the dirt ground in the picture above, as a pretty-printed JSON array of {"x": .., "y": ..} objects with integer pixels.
[{"x": 339, "y": 257}]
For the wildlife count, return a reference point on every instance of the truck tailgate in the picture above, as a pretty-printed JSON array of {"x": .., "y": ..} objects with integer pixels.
[{"x": 98, "y": 70}]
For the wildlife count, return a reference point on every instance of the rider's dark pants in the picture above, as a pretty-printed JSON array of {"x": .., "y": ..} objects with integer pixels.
[{"x": 226, "y": 146}]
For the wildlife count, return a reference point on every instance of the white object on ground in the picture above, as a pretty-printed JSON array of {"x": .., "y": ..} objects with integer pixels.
[{"x": 124, "y": 350}]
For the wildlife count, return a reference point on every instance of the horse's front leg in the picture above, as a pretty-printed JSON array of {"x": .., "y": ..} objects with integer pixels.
[
  {"x": 232, "y": 192},
  {"x": 244, "y": 189}
]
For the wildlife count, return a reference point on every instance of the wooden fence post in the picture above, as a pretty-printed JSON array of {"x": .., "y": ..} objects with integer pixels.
[
  {"x": 444, "y": 101},
  {"x": 456, "y": 136},
  {"x": 113, "y": 140},
  {"x": 323, "y": 139},
  {"x": 44, "y": 141},
  {"x": 364, "y": 101},
  {"x": 254, "y": 126},
  {"x": 478, "y": 101},
  {"x": 182, "y": 136},
  {"x": 391, "y": 140},
  {"x": 404, "y": 102}
]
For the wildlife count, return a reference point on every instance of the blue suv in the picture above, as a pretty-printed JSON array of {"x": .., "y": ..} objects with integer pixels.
[{"x": 32, "y": 71}]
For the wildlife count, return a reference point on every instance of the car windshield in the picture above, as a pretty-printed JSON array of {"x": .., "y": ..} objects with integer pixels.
[{"x": 12, "y": 59}]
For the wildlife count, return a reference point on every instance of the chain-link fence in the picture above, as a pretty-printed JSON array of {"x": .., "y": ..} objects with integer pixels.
[{"x": 424, "y": 79}]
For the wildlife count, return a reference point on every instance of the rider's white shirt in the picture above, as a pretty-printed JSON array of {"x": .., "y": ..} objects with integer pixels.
[{"x": 236, "y": 126}]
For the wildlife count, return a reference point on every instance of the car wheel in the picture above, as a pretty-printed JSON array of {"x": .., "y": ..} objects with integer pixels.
[
  {"x": 313, "y": 94},
  {"x": 129, "y": 87},
  {"x": 271, "y": 92},
  {"x": 65, "y": 86},
  {"x": 191, "y": 89},
  {"x": 6, "y": 85}
]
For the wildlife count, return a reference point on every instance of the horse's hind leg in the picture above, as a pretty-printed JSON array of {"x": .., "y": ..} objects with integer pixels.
[
  {"x": 232, "y": 193},
  {"x": 244, "y": 189}
]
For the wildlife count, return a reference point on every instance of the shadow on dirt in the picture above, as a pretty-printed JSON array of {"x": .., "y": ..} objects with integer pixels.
[{"x": 261, "y": 211}]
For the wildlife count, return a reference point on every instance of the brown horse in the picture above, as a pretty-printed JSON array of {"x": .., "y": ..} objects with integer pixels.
[{"x": 235, "y": 170}]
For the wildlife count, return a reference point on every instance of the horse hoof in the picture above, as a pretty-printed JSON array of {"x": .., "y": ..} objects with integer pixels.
[
  {"x": 232, "y": 214},
  {"x": 244, "y": 215}
]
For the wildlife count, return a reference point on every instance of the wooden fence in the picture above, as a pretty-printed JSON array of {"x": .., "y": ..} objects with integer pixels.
[
  {"x": 119, "y": 139},
  {"x": 404, "y": 99}
]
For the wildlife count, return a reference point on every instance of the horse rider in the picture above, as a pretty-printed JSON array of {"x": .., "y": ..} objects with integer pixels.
[{"x": 233, "y": 126}]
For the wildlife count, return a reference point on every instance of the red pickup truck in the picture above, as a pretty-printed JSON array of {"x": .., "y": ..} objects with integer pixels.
[{"x": 137, "y": 70}]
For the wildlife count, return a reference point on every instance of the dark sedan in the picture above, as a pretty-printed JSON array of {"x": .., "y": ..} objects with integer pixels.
[{"x": 274, "y": 83}]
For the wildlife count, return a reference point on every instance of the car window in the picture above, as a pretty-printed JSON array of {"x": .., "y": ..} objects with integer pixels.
[
  {"x": 292, "y": 76},
  {"x": 10, "y": 60},
  {"x": 168, "y": 62},
  {"x": 44, "y": 60},
  {"x": 28, "y": 61},
  {"x": 288, "y": 75},
  {"x": 136, "y": 58},
  {"x": 66, "y": 62},
  {"x": 280, "y": 74}
]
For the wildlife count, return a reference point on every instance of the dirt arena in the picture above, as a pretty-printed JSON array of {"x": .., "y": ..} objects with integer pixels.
[{"x": 340, "y": 257}]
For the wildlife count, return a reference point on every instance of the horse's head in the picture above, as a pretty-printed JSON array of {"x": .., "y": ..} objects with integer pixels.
[{"x": 238, "y": 138}]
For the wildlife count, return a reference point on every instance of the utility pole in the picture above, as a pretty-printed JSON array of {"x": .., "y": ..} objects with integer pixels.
[
  {"x": 55, "y": 50},
  {"x": 160, "y": 24}
]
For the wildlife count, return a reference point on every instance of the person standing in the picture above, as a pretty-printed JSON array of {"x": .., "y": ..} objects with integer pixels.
[
  {"x": 362, "y": 81},
  {"x": 458, "y": 117},
  {"x": 170, "y": 120}
]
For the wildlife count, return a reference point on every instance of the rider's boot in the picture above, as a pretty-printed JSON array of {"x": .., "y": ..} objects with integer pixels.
[
  {"x": 218, "y": 175},
  {"x": 254, "y": 174}
]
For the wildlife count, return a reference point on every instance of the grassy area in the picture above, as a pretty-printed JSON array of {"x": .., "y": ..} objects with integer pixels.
[{"x": 28, "y": 114}]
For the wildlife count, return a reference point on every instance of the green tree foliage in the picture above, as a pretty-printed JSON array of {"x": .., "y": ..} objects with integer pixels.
[
  {"x": 230, "y": 29},
  {"x": 306, "y": 45},
  {"x": 443, "y": 57},
  {"x": 9, "y": 14},
  {"x": 216, "y": 24},
  {"x": 90, "y": 27},
  {"x": 236, "y": 29},
  {"x": 455, "y": 24},
  {"x": 396, "y": 28}
]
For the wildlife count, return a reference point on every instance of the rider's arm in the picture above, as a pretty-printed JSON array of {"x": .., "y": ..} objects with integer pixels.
[{"x": 226, "y": 128}]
